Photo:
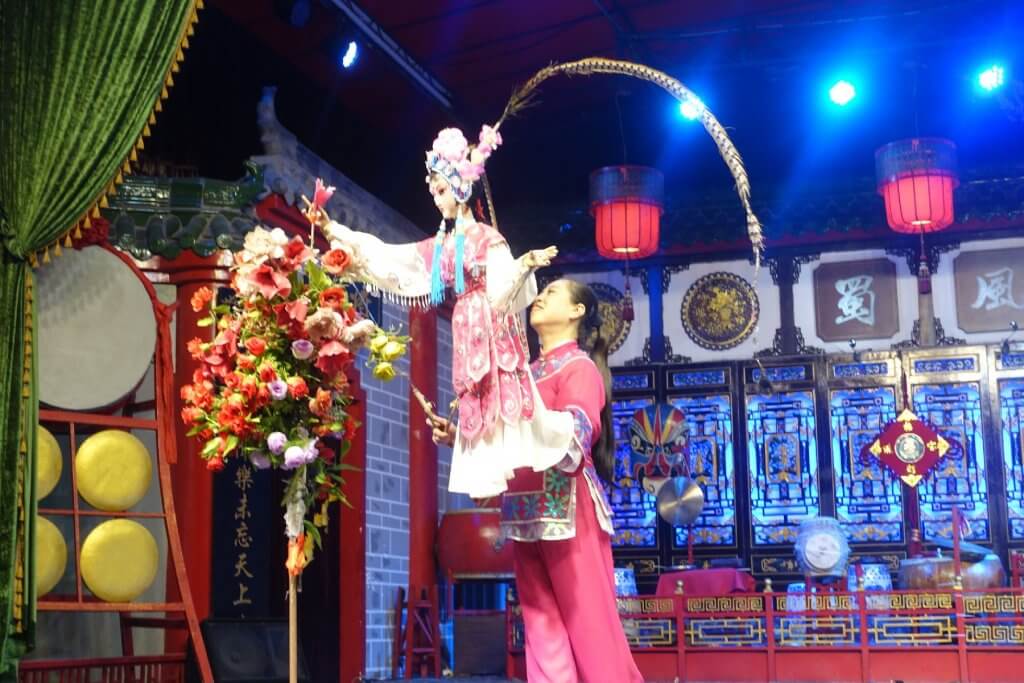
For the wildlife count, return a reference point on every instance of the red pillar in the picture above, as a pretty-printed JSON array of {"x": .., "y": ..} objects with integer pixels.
[
  {"x": 352, "y": 550},
  {"x": 422, "y": 451},
  {"x": 191, "y": 482}
]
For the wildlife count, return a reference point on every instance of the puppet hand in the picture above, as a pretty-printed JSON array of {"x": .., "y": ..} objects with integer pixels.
[
  {"x": 539, "y": 258},
  {"x": 443, "y": 431}
]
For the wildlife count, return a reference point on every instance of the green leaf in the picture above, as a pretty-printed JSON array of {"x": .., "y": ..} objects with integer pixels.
[
  {"x": 231, "y": 444},
  {"x": 317, "y": 277},
  {"x": 211, "y": 446},
  {"x": 204, "y": 322}
]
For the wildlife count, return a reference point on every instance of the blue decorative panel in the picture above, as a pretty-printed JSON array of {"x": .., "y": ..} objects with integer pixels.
[
  {"x": 959, "y": 364},
  {"x": 636, "y": 518},
  {"x": 1011, "y": 409},
  {"x": 712, "y": 463},
  {"x": 959, "y": 477},
  {"x": 869, "y": 499},
  {"x": 782, "y": 451},
  {"x": 630, "y": 382},
  {"x": 873, "y": 369},
  {"x": 698, "y": 378},
  {"x": 1011, "y": 361},
  {"x": 782, "y": 373}
]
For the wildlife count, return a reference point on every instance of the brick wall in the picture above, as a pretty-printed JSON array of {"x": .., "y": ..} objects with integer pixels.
[{"x": 387, "y": 491}]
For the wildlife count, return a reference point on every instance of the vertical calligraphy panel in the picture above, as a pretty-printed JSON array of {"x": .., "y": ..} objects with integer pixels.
[
  {"x": 636, "y": 519},
  {"x": 1011, "y": 407},
  {"x": 241, "y": 561},
  {"x": 711, "y": 461},
  {"x": 869, "y": 500},
  {"x": 782, "y": 450},
  {"x": 959, "y": 477}
]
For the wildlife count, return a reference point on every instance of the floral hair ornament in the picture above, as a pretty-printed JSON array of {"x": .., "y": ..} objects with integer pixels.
[{"x": 460, "y": 165}]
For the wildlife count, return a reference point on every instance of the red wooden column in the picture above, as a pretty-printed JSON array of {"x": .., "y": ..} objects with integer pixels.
[
  {"x": 422, "y": 451},
  {"x": 352, "y": 550},
  {"x": 191, "y": 482}
]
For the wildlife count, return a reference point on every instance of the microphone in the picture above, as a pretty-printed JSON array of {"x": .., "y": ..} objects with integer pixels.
[{"x": 1004, "y": 347}]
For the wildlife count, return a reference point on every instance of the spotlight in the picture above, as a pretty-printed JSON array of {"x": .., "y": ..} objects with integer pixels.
[
  {"x": 842, "y": 93},
  {"x": 691, "y": 108},
  {"x": 351, "y": 54},
  {"x": 991, "y": 78}
]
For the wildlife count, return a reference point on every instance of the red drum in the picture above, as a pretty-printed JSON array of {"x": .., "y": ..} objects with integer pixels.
[{"x": 469, "y": 544}]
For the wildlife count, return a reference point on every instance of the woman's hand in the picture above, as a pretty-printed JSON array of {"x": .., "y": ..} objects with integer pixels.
[
  {"x": 443, "y": 431},
  {"x": 539, "y": 258}
]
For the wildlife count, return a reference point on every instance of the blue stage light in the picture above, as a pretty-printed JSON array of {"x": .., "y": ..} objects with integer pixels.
[
  {"x": 691, "y": 108},
  {"x": 842, "y": 93},
  {"x": 991, "y": 78},
  {"x": 351, "y": 54}
]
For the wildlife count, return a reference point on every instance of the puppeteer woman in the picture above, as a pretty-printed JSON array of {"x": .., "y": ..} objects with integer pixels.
[{"x": 503, "y": 425}]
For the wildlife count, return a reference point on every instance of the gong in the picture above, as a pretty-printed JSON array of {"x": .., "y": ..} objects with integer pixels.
[{"x": 680, "y": 501}]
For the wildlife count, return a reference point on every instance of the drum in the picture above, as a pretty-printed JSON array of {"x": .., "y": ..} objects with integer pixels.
[
  {"x": 97, "y": 330},
  {"x": 469, "y": 544},
  {"x": 937, "y": 573}
]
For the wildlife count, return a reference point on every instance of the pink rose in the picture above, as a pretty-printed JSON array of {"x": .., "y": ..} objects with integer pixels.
[
  {"x": 269, "y": 282},
  {"x": 489, "y": 138},
  {"x": 324, "y": 324}
]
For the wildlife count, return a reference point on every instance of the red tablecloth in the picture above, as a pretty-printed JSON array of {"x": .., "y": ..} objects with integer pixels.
[{"x": 707, "y": 582}]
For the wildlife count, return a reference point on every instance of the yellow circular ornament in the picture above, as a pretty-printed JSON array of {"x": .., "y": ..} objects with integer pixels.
[
  {"x": 113, "y": 469},
  {"x": 51, "y": 555},
  {"x": 119, "y": 560},
  {"x": 49, "y": 462}
]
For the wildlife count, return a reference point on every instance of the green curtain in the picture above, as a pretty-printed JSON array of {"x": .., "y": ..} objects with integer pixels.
[{"x": 79, "y": 82}]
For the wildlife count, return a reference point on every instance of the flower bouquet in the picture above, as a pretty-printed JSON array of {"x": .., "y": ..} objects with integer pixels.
[{"x": 272, "y": 387}]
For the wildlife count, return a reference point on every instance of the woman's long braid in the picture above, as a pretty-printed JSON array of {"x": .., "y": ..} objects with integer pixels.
[{"x": 590, "y": 340}]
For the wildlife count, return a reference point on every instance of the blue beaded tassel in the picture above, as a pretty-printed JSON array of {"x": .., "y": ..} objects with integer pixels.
[
  {"x": 436, "y": 283},
  {"x": 460, "y": 249}
]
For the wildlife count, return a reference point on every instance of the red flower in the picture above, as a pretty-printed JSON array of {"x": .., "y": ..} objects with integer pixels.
[
  {"x": 215, "y": 464},
  {"x": 262, "y": 395},
  {"x": 334, "y": 298},
  {"x": 201, "y": 299},
  {"x": 270, "y": 282},
  {"x": 250, "y": 388},
  {"x": 297, "y": 387},
  {"x": 232, "y": 380},
  {"x": 291, "y": 311},
  {"x": 335, "y": 261},
  {"x": 191, "y": 415},
  {"x": 187, "y": 393},
  {"x": 245, "y": 362},
  {"x": 350, "y": 429},
  {"x": 267, "y": 372},
  {"x": 325, "y": 452},
  {"x": 333, "y": 358},
  {"x": 206, "y": 434},
  {"x": 194, "y": 349},
  {"x": 256, "y": 345},
  {"x": 320, "y": 405},
  {"x": 296, "y": 253}
]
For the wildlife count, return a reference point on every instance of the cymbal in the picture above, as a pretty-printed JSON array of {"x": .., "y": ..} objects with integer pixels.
[{"x": 680, "y": 501}]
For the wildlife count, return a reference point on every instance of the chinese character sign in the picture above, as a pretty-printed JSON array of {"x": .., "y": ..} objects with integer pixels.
[
  {"x": 241, "y": 568},
  {"x": 908, "y": 447},
  {"x": 856, "y": 300},
  {"x": 989, "y": 289}
]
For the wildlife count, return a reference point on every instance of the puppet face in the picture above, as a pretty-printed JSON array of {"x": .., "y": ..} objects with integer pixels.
[
  {"x": 657, "y": 444},
  {"x": 554, "y": 308},
  {"x": 444, "y": 198}
]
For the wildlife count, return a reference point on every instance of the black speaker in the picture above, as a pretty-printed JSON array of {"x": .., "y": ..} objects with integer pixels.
[
  {"x": 479, "y": 644},
  {"x": 250, "y": 651}
]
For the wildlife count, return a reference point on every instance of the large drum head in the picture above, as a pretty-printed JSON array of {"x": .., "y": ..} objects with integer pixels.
[{"x": 97, "y": 331}]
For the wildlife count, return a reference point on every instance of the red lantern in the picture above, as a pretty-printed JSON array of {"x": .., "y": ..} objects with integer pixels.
[
  {"x": 916, "y": 177},
  {"x": 626, "y": 202}
]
